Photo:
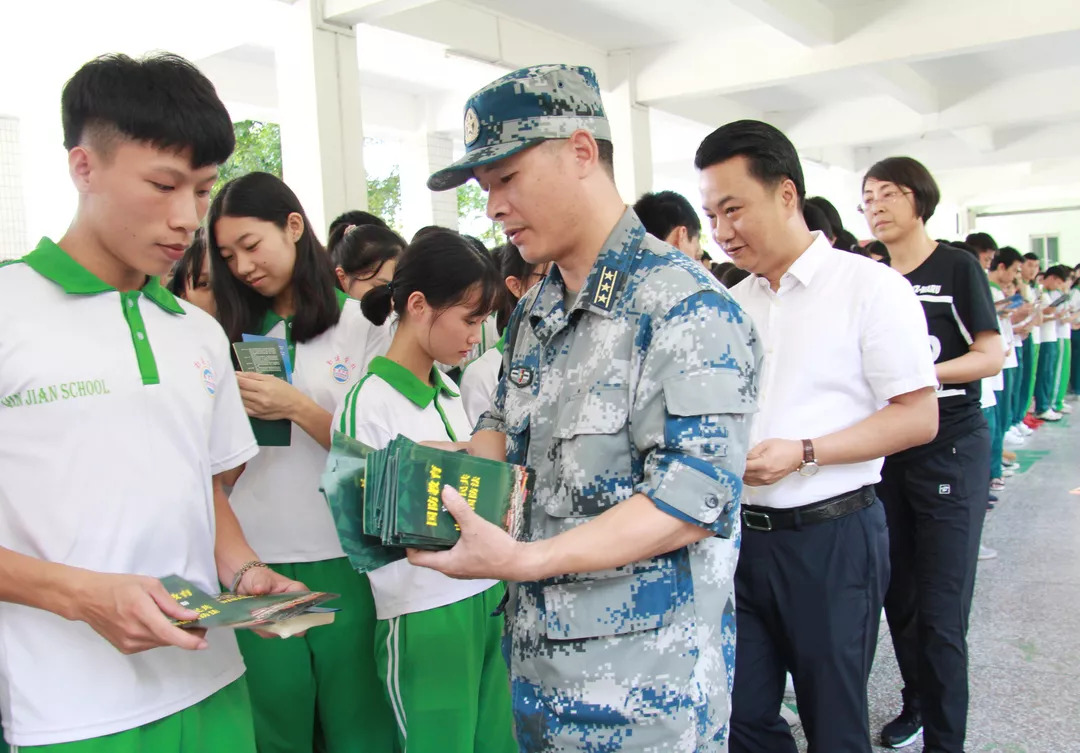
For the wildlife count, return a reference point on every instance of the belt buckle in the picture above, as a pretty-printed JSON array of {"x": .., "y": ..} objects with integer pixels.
[{"x": 750, "y": 515}]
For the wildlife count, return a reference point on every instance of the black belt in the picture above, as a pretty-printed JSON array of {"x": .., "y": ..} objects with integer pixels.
[{"x": 775, "y": 519}]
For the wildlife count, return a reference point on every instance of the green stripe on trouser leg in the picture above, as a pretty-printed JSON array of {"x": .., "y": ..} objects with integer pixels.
[
  {"x": 1064, "y": 370},
  {"x": 321, "y": 691},
  {"x": 218, "y": 724},
  {"x": 446, "y": 677}
]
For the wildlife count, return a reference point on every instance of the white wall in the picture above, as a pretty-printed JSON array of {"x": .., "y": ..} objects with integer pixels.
[{"x": 1016, "y": 230}]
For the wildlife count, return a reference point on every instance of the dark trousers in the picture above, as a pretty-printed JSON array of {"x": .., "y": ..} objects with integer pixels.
[
  {"x": 808, "y": 601},
  {"x": 1074, "y": 376},
  {"x": 935, "y": 505}
]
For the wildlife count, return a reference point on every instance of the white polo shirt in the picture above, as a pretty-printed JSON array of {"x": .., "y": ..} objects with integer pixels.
[
  {"x": 478, "y": 383},
  {"x": 1064, "y": 329},
  {"x": 389, "y": 401},
  {"x": 842, "y": 336},
  {"x": 277, "y": 499},
  {"x": 1008, "y": 341},
  {"x": 1048, "y": 329},
  {"x": 115, "y": 411}
]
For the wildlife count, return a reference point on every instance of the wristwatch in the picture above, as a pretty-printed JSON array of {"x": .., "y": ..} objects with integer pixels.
[{"x": 809, "y": 465}]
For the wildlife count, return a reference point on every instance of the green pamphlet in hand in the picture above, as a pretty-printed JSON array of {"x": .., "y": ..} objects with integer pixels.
[
  {"x": 283, "y": 614},
  {"x": 265, "y": 358},
  {"x": 389, "y": 499}
]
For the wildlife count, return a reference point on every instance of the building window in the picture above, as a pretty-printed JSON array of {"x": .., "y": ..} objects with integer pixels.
[{"x": 1046, "y": 248}]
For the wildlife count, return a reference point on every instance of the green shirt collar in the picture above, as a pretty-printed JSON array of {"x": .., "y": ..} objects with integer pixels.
[
  {"x": 405, "y": 382},
  {"x": 53, "y": 263}
]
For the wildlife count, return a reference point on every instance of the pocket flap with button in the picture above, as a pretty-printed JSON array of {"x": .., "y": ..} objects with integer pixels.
[
  {"x": 599, "y": 411},
  {"x": 706, "y": 393},
  {"x": 611, "y": 606}
]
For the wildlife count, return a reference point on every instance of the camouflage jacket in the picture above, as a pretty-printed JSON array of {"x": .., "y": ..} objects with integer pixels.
[{"x": 645, "y": 386}]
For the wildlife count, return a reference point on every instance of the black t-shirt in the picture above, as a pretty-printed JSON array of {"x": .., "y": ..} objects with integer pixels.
[{"x": 955, "y": 295}]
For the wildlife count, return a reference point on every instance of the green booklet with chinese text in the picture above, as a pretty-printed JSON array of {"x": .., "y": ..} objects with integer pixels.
[
  {"x": 386, "y": 500},
  {"x": 284, "y": 614},
  {"x": 265, "y": 358}
]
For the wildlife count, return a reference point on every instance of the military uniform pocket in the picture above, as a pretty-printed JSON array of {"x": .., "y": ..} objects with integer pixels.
[{"x": 592, "y": 456}]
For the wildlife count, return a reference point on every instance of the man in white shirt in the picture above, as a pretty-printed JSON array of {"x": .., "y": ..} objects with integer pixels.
[{"x": 848, "y": 378}]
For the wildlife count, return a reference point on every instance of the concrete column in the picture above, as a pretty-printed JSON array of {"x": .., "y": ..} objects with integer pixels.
[
  {"x": 630, "y": 133},
  {"x": 322, "y": 137},
  {"x": 424, "y": 153}
]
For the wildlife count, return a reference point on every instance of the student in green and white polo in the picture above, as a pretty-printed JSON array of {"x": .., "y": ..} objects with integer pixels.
[
  {"x": 272, "y": 277},
  {"x": 480, "y": 377},
  {"x": 438, "y": 639},
  {"x": 119, "y": 413}
]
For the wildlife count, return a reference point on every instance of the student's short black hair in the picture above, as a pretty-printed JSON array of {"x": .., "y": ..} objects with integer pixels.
[
  {"x": 831, "y": 213},
  {"x": 1060, "y": 271},
  {"x": 364, "y": 249},
  {"x": 964, "y": 245},
  {"x": 879, "y": 248},
  {"x": 342, "y": 222},
  {"x": 445, "y": 267},
  {"x": 816, "y": 220},
  {"x": 1032, "y": 256},
  {"x": 982, "y": 241},
  {"x": 663, "y": 211},
  {"x": 187, "y": 269},
  {"x": 1006, "y": 256},
  {"x": 160, "y": 99},
  {"x": 912, "y": 175},
  {"x": 240, "y": 308},
  {"x": 771, "y": 156},
  {"x": 733, "y": 277}
]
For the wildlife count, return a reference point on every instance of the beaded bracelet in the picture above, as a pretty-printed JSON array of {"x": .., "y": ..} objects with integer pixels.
[{"x": 243, "y": 569}]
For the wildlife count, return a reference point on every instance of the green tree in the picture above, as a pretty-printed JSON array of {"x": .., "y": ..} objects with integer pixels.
[
  {"x": 472, "y": 215},
  {"x": 384, "y": 198},
  {"x": 258, "y": 149}
]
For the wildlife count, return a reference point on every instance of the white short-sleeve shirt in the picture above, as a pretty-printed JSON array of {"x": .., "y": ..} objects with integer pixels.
[
  {"x": 390, "y": 401},
  {"x": 277, "y": 499},
  {"x": 842, "y": 335},
  {"x": 115, "y": 411},
  {"x": 478, "y": 383}
]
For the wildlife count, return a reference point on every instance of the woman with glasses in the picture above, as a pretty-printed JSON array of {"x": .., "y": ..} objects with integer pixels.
[{"x": 935, "y": 494}]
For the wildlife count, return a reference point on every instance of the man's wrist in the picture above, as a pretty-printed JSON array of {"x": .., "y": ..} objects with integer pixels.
[{"x": 531, "y": 560}]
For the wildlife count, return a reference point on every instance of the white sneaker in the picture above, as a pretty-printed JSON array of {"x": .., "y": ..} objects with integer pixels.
[
  {"x": 1065, "y": 408},
  {"x": 1013, "y": 438},
  {"x": 986, "y": 553},
  {"x": 1024, "y": 429},
  {"x": 1007, "y": 473},
  {"x": 1049, "y": 415}
]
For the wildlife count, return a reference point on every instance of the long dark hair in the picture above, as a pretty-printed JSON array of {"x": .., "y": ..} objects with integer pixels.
[
  {"x": 241, "y": 309},
  {"x": 442, "y": 265}
]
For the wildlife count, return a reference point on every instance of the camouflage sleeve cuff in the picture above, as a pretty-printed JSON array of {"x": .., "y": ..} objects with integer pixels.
[
  {"x": 490, "y": 422},
  {"x": 693, "y": 490}
]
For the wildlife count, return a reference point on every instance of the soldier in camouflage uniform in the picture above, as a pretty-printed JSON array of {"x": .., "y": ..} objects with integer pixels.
[{"x": 628, "y": 377}]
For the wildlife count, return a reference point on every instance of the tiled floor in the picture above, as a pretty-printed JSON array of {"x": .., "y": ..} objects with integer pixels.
[{"x": 1024, "y": 641}]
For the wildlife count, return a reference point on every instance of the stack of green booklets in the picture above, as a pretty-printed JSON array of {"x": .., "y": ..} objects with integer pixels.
[{"x": 389, "y": 499}]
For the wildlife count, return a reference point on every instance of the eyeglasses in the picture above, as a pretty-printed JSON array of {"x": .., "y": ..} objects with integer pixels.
[{"x": 887, "y": 197}]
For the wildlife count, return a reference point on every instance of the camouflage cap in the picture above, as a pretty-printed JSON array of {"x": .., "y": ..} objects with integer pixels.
[{"x": 524, "y": 108}]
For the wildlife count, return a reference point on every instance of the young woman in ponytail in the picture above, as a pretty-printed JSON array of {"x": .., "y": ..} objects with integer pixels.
[
  {"x": 272, "y": 277},
  {"x": 364, "y": 257},
  {"x": 437, "y": 639}
]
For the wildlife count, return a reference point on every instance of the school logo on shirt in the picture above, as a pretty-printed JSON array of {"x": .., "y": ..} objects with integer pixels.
[
  {"x": 522, "y": 376},
  {"x": 207, "y": 373},
  {"x": 341, "y": 368}
]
